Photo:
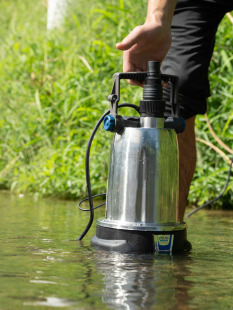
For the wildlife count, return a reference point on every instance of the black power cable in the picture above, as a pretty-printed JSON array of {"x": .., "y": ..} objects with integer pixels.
[
  {"x": 87, "y": 165},
  {"x": 216, "y": 198},
  {"x": 88, "y": 210}
]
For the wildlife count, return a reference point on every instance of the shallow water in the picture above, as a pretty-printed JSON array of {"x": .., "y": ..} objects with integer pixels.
[{"x": 43, "y": 267}]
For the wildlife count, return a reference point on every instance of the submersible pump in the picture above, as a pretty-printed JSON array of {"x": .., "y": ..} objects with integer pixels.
[{"x": 143, "y": 180}]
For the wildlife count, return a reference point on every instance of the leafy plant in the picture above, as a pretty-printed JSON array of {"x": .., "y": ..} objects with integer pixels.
[{"x": 54, "y": 88}]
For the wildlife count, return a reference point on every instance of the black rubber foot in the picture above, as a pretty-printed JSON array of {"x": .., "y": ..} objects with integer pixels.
[
  {"x": 187, "y": 246},
  {"x": 131, "y": 241}
]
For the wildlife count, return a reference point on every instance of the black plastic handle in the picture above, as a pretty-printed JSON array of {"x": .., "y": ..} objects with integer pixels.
[{"x": 114, "y": 98}]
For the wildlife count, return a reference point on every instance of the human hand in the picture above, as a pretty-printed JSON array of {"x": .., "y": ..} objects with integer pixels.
[{"x": 146, "y": 42}]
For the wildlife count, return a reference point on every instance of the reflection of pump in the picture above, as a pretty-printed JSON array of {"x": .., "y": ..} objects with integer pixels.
[
  {"x": 142, "y": 194},
  {"x": 145, "y": 281}
]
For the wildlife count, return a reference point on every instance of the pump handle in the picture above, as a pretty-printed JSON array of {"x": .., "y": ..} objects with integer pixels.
[{"x": 114, "y": 98}]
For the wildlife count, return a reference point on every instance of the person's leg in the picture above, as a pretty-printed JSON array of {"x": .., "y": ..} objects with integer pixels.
[
  {"x": 187, "y": 163},
  {"x": 193, "y": 36}
]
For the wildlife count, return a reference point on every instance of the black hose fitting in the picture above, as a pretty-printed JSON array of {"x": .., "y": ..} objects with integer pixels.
[{"x": 152, "y": 103}]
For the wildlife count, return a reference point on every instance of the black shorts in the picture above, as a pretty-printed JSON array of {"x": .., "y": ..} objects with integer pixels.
[{"x": 194, "y": 26}]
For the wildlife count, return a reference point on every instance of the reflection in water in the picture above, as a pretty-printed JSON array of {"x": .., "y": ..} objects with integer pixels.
[
  {"x": 40, "y": 267},
  {"x": 139, "y": 281},
  {"x": 51, "y": 302}
]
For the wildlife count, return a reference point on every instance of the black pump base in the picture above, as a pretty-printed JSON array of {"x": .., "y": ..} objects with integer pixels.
[{"x": 132, "y": 241}]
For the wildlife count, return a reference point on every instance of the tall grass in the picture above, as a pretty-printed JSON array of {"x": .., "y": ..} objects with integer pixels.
[{"x": 54, "y": 87}]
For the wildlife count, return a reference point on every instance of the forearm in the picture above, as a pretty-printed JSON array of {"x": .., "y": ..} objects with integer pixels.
[{"x": 161, "y": 12}]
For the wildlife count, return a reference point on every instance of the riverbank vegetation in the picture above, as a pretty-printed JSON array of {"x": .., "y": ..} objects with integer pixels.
[{"x": 54, "y": 88}]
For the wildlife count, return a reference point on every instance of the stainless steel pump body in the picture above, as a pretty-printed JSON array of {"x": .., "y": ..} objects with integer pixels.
[{"x": 142, "y": 191}]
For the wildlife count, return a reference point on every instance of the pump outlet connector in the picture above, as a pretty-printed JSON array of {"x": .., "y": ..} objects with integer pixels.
[{"x": 109, "y": 123}]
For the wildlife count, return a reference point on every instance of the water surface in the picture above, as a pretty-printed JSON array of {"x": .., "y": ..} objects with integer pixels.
[{"x": 42, "y": 266}]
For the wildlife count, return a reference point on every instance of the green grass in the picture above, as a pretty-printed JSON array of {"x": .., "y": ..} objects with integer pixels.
[{"x": 54, "y": 87}]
